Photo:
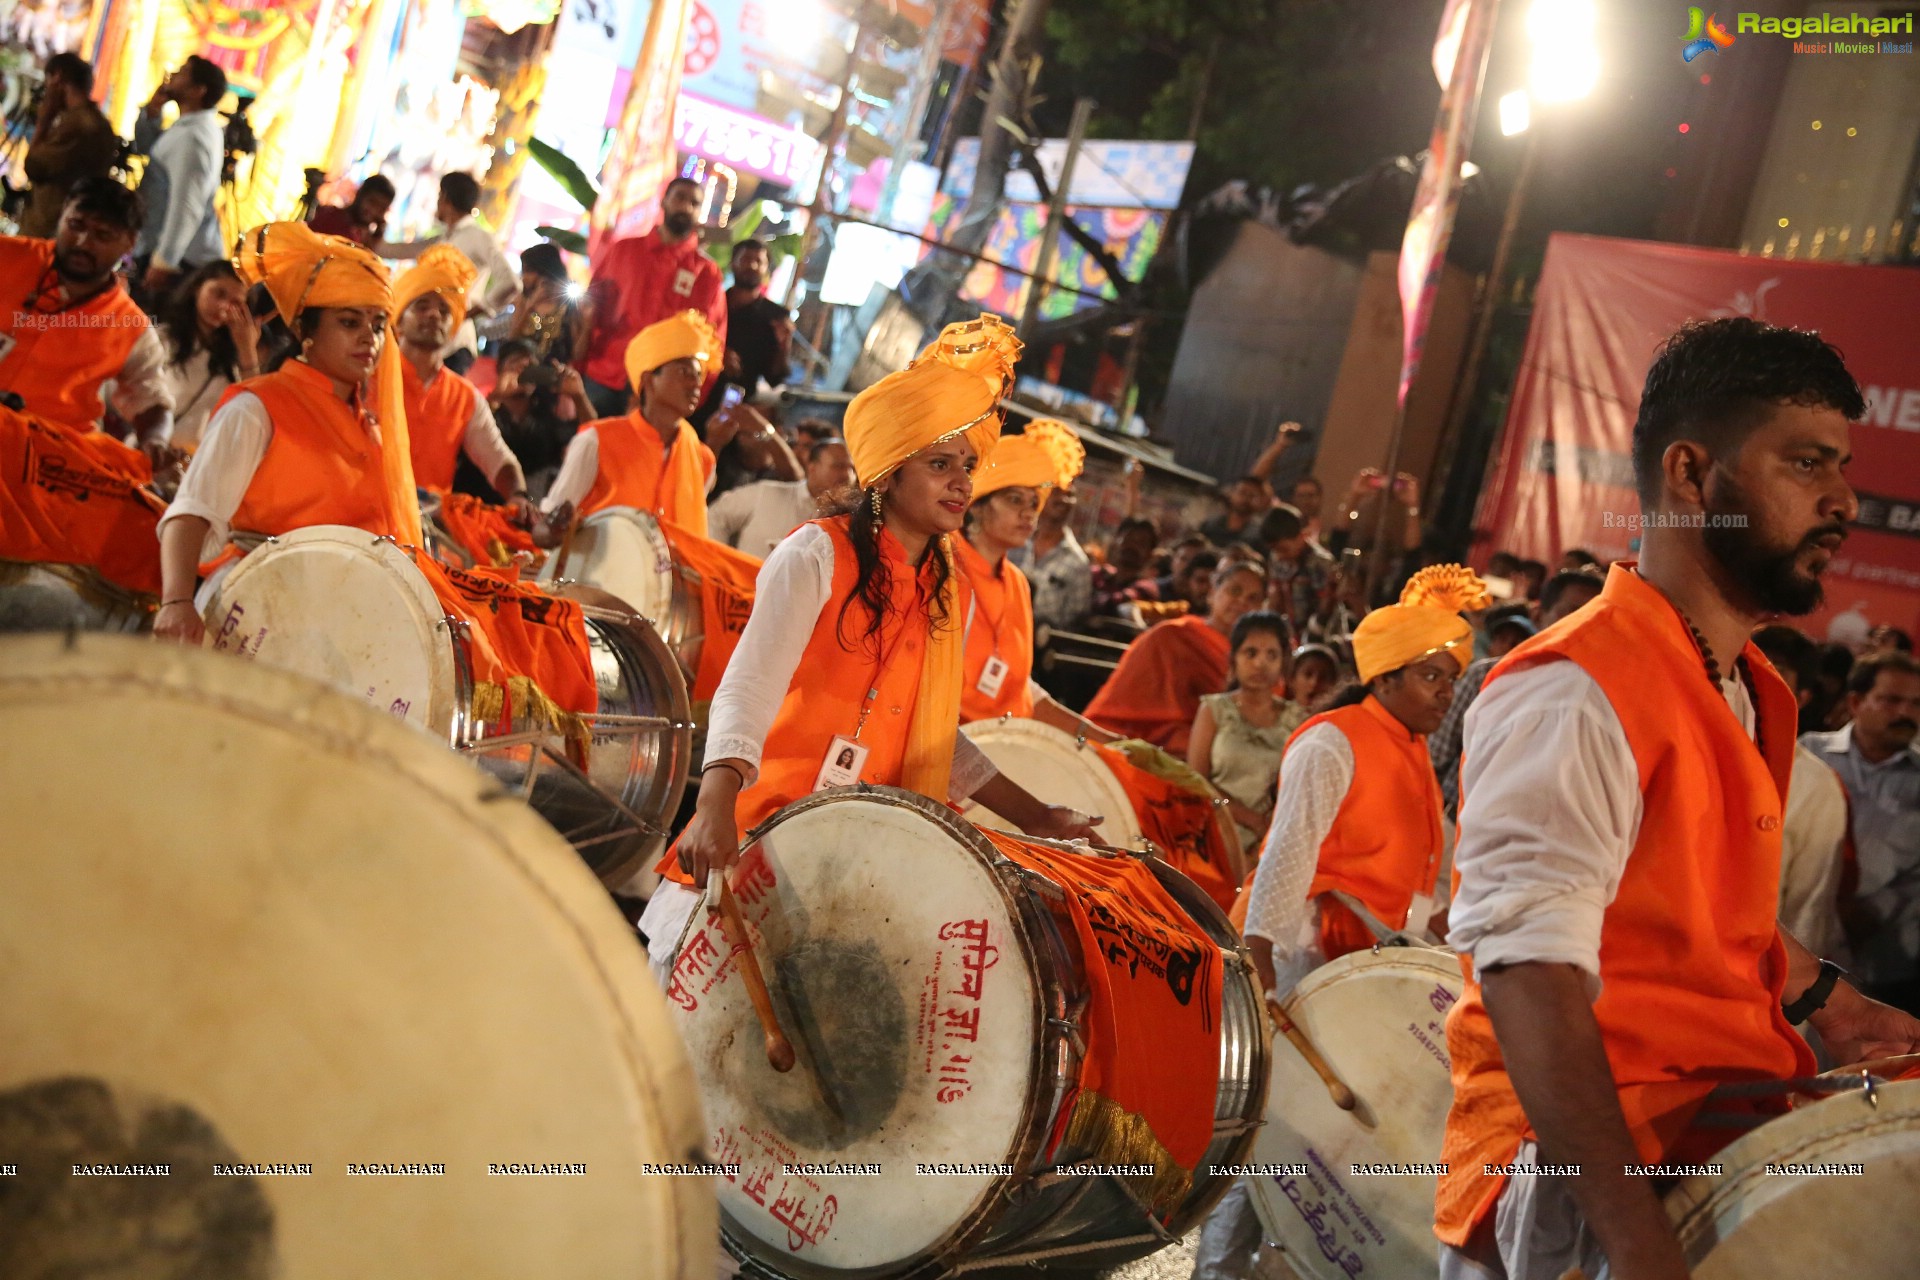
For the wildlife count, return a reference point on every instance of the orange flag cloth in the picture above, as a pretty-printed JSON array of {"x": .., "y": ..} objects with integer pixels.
[
  {"x": 484, "y": 532},
  {"x": 1154, "y": 979},
  {"x": 1155, "y": 692},
  {"x": 1184, "y": 825},
  {"x": 76, "y": 497},
  {"x": 726, "y": 579},
  {"x": 528, "y": 650}
]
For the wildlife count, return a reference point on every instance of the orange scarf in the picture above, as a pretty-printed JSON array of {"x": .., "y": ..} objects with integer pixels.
[
  {"x": 528, "y": 650},
  {"x": 634, "y": 474},
  {"x": 484, "y": 532},
  {"x": 1155, "y": 692},
  {"x": 726, "y": 599},
  {"x": 1184, "y": 825},
  {"x": 1154, "y": 977},
  {"x": 1001, "y": 627},
  {"x": 75, "y": 496}
]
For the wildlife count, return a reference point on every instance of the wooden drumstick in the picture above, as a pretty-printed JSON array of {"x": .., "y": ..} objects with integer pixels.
[
  {"x": 566, "y": 546},
  {"x": 779, "y": 1048},
  {"x": 1342, "y": 1096}
]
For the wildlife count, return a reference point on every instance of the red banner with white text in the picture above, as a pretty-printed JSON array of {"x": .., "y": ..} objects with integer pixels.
[{"x": 1563, "y": 474}]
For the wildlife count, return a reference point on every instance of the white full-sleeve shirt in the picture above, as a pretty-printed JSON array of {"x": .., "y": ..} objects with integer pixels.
[
  {"x": 794, "y": 587},
  {"x": 1314, "y": 781},
  {"x": 1550, "y": 810}
]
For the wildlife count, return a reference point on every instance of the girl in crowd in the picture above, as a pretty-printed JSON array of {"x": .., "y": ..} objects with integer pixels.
[
  {"x": 213, "y": 341},
  {"x": 1007, "y": 495},
  {"x": 850, "y": 668},
  {"x": 1239, "y": 735},
  {"x": 1316, "y": 673},
  {"x": 321, "y": 440}
]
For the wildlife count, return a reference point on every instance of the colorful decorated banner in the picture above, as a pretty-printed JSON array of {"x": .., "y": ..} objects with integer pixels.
[
  {"x": 1131, "y": 235},
  {"x": 644, "y": 155},
  {"x": 1128, "y": 175},
  {"x": 1460, "y": 58},
  {"x": 1563, "y": 475}
]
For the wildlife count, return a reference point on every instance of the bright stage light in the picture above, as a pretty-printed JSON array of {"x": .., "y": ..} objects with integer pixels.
[
  {"x": 1566, "y": 65},
  {"x": 1515, "y": 113}
]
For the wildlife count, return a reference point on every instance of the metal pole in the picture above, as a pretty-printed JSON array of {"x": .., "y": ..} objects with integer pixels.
[
  {"x": 829, "y": 142},
  {"x": 1056, "y": 210},
  {"x": 1490, "y": 292}
]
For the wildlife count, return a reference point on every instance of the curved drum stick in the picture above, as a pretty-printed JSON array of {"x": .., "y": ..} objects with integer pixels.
[
  {"x": 1342, "y": 1096},
  {"x": 779, "y": 1049}
]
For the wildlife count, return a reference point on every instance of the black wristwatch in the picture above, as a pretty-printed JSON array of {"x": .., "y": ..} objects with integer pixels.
[{"x": 1814, "y": 998}]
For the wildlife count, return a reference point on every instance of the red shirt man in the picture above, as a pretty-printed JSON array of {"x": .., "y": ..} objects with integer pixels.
[{"x": 645, "y": 279}]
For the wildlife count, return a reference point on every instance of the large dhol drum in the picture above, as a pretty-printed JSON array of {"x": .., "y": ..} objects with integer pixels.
[
  {"x": 305, "y": 997},
  {"x": 942, "y": 1012},
  {"x": 68, "y": 597},
  {"x": 1829, "y": 1189},
  {"x": 623, "y": 551},
  {"x": 343, "y": 606},
  {"x": 1053, "y": 764},
  {"x": 1378, "y": 1019}
]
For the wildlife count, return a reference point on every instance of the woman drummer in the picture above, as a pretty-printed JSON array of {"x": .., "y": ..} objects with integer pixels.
[
  {"x": 1008, "y": 492},
  {"x": 850, "y": 667},
  {"x": 321, "y": 440}
]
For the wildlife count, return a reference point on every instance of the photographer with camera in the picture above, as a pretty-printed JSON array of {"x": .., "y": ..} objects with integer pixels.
[
  {"x": 182, "y": 177},
  {"x": 71, "y": 141},
  {"x": 538, "y": 403}
]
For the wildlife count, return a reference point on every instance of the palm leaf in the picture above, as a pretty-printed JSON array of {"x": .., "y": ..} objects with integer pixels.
[{"x": 565, "y": 172}]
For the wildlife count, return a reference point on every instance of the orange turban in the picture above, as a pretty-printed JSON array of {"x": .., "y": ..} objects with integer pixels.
[
  {"x": 951, "y": 388},
  {"x": 303, "y": 269},
  {"x": 1046, "y": 453},
  {"x": 1426, "y": 621},
  {"x": 442, "y": 269},
  {"x": 679, "y": 337}
]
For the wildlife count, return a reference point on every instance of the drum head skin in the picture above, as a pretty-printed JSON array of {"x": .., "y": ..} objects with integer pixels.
[
  {"x": 1826, "y": 1190},
  {"x": 891, "y": 941},
  {"x": 344, "y": 606},
  {"x": 1047, "y": 762},
  {"x": 243, "y": 918},
  {"x": 622, "y": 551},
  {"x": 1378, "y": 1018}
]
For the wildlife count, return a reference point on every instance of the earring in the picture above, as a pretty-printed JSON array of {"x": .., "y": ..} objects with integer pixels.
[{"x": 876, "y": 503}]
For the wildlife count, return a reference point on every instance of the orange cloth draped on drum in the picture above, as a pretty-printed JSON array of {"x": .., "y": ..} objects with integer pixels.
[
  {"x": 437, "y": 416},
  {"x": 1691, "y": 962},
  {"x": 726, "y": 599},
  {"x": 303, "y": 269},
  {"x": 531, "y": 665},
  {"x": 1151, "y": 1025},
  {"x": 1184, "y": 825},
  {"x": 72, "y": 495},
  {"x": 1001, "y": 626},
  {"x": 838, "y": 666},
  {"x": 322, "y": 465},
  {"x": 1155, "y": 691},
  {"x": 58, "y": 365},
  {"x": 1385, "y": 844},
  {"x": 637, "y": 470},
  {"x": 484, "y": 531}
]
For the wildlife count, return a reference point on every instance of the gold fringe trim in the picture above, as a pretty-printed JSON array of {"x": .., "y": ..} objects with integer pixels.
[
  {"x": 533, "y": 709},
  {"x": 1113, "y": 1135}
]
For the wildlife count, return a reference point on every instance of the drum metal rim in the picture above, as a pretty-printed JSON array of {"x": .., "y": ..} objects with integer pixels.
[{"x": 86, "y": 583}]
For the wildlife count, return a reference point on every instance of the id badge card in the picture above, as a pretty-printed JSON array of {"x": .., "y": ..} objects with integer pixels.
[
  {"x": 841, "y": 768},
  {"x": 992, "y": 676},
  {"x": 1419, "y": 913}
]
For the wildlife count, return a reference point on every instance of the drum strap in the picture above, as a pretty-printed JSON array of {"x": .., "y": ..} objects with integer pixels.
[{"x": 1381, "y": 934}]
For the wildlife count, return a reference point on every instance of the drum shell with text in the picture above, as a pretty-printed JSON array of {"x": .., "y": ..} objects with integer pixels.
[
  {"x": 848, "y": 890},
  {"x": 344, "y": 606},
  {"x": 1378, "y": 1018},
  {"x": 248, "y": 919}
]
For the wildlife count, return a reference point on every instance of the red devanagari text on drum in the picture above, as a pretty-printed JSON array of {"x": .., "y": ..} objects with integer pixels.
[{"x": 959, "y": 1014}]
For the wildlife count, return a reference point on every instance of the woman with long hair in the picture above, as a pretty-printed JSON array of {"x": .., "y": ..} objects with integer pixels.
[
  {"x": 212, "y": 340},
  {"x": 850, "y": 668},
  {"x": 1240, "y": 735},
  {"x": 1008, "y": 493}
]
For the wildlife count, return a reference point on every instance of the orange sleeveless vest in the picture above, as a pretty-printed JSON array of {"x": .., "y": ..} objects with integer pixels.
[
  {"x": 830, "y": 686},
  {"x": 321, "y": 467},
  {"x": 1691, "y": 963},
  {"x": 635, "y": 472},
  {"x": 59, "y": 359},
  {"x": 437, "y": 416},
  {"x": 1002, "y": 626},
  {"x": 1386, "y": 843}
]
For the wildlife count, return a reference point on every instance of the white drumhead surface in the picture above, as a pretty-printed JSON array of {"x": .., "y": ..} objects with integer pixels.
[
  {"x": 232, "y": 895},
  {"x": 1378, "y": 1018},
  {"x": 927, "y": 1040},
  {"x": 340, "y": 605},
  {"x": 623, "y": 552},
  {"x": 1752, "y": 1223},
  {"x": 1046, "y": 762}
]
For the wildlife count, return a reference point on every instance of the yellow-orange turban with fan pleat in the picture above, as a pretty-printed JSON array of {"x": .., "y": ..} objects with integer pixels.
[
  {"x": 1426, "y": 621},
  {"x": 1047, "y": 453},
  {"x": 442, "y": 269}
]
